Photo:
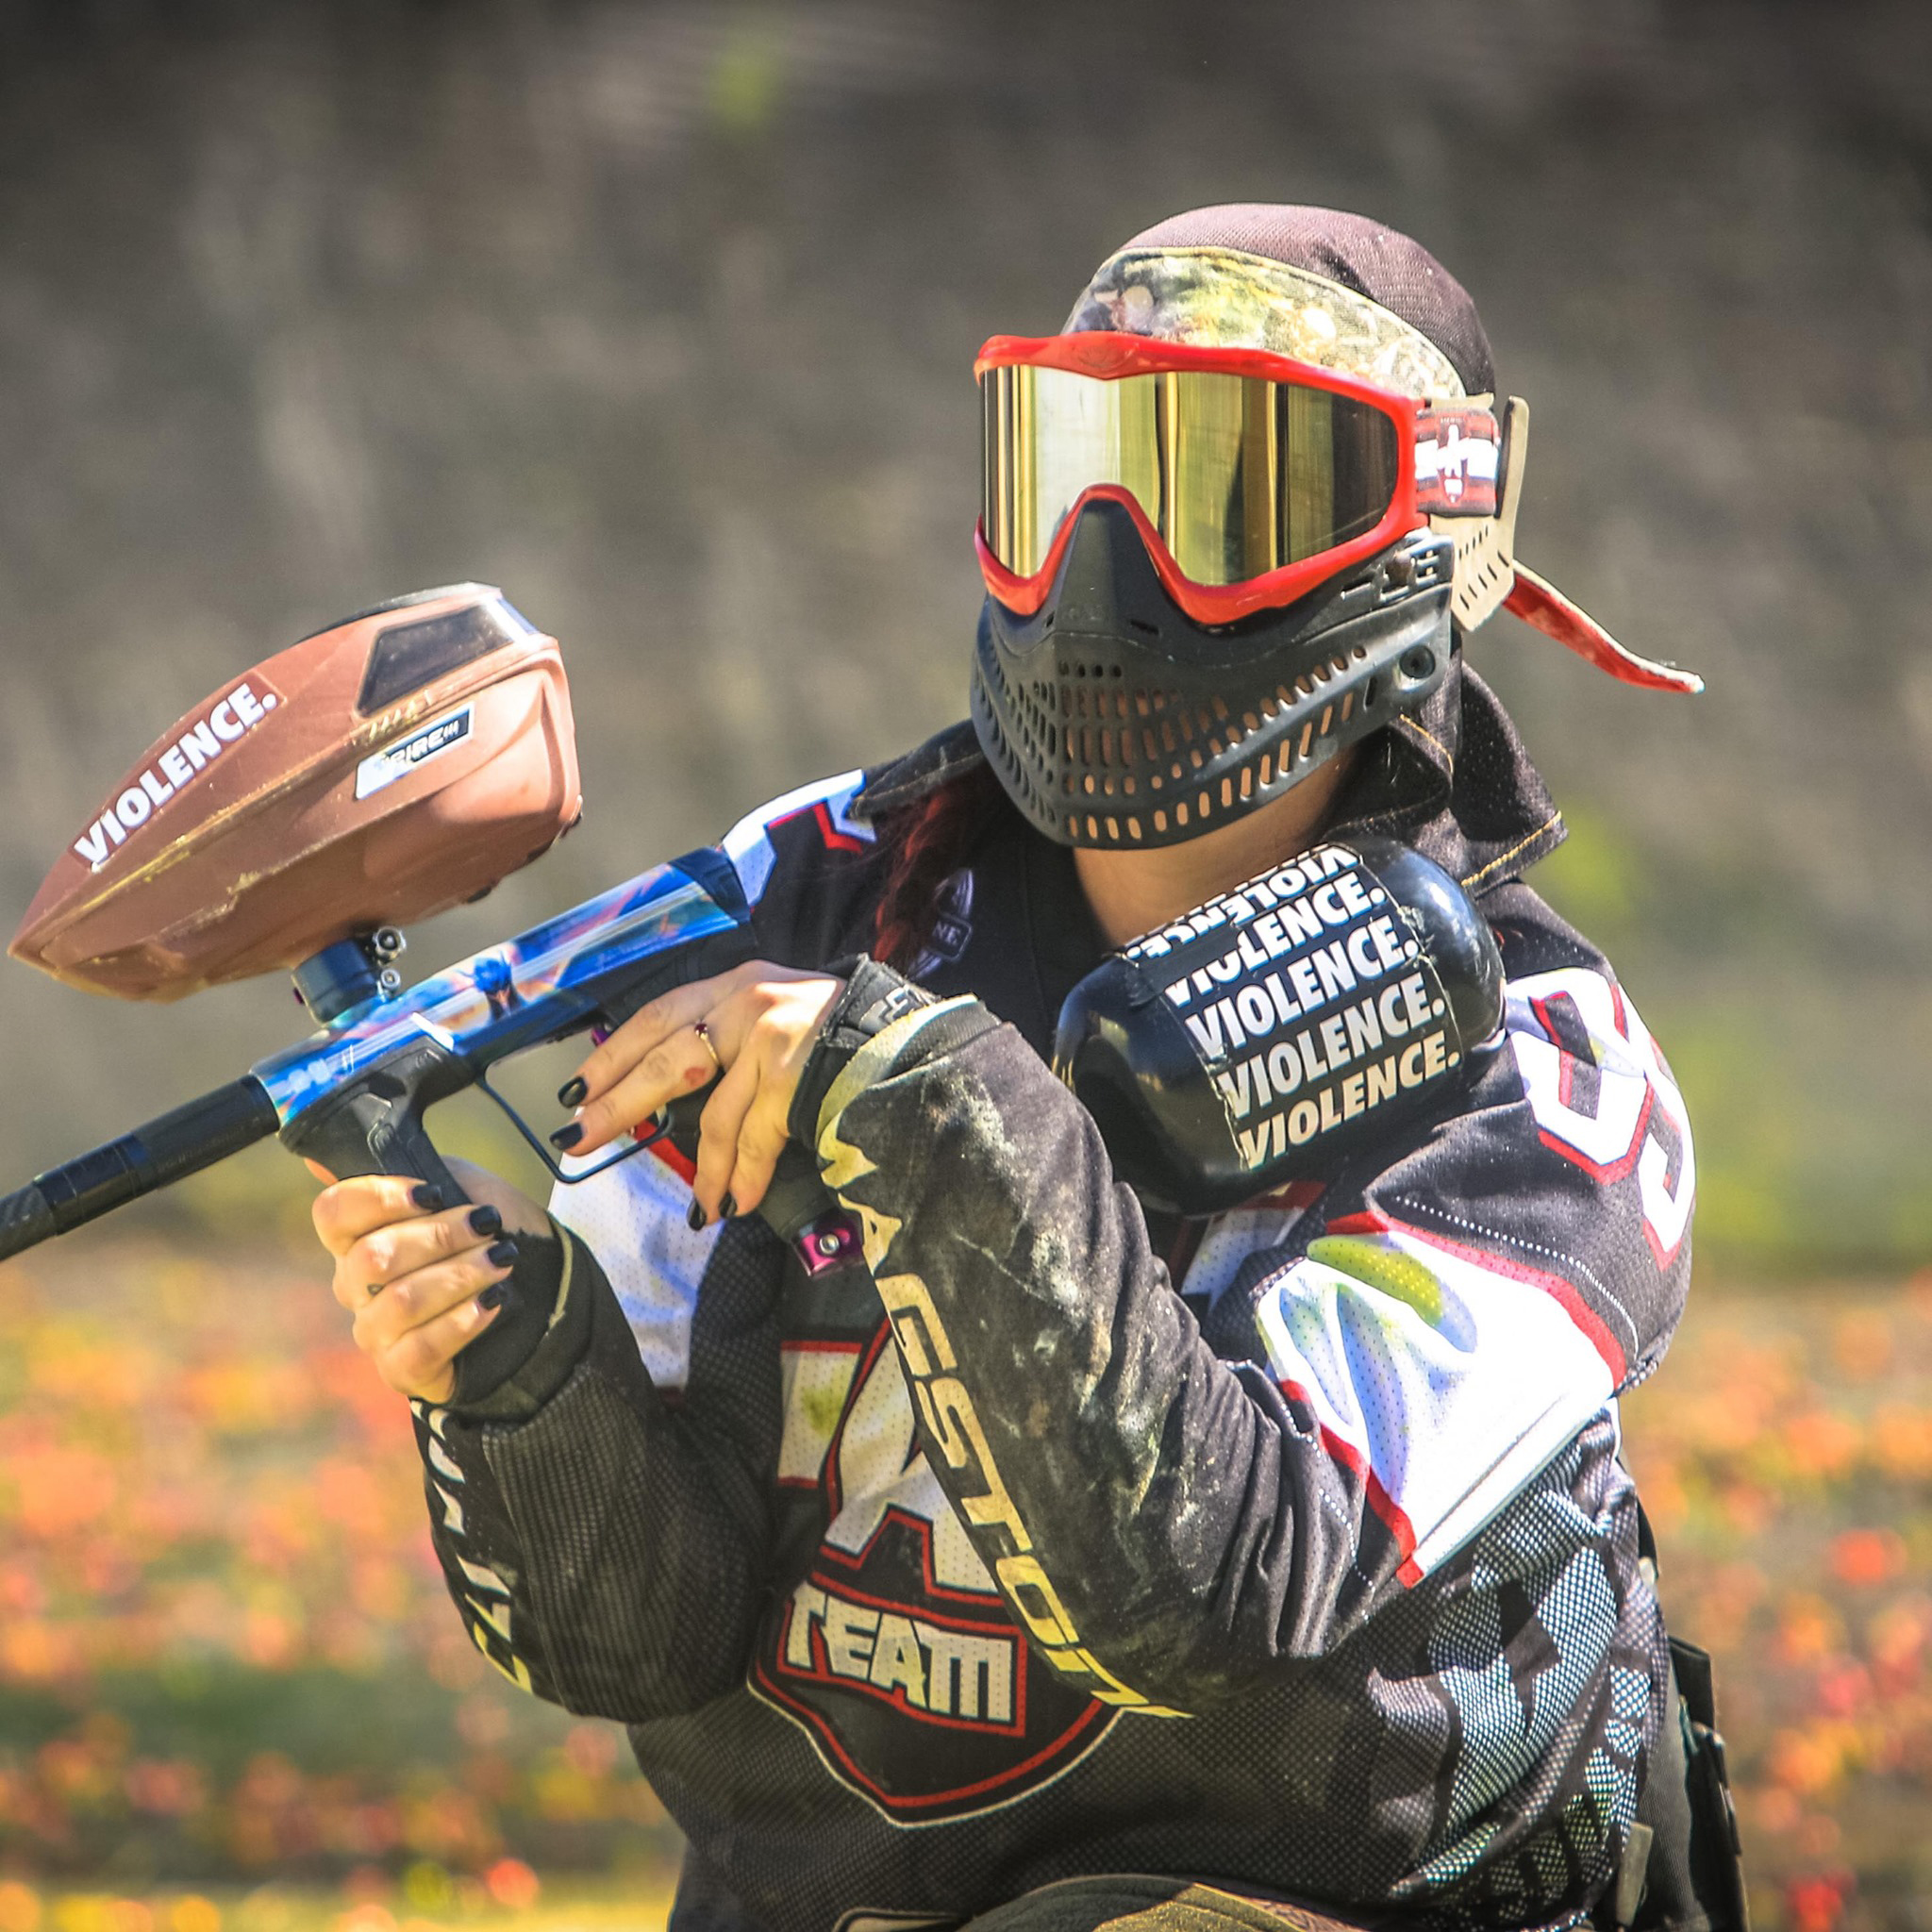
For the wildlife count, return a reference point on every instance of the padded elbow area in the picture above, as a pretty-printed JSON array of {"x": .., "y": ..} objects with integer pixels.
[{"x": 626, "y": 1580}]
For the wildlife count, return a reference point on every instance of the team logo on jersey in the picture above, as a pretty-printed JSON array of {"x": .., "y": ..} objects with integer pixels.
[
  {"x": 895, "y": 1651},
  {"x": 953, "y": 1672},
  {"x": 952, "y": 925}
]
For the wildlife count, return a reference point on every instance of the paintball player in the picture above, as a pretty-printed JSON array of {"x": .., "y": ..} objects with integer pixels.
[{"x": 1001, "y": 1548}]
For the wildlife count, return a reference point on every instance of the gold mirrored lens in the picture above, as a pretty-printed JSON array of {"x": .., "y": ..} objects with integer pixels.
[{"x": 1237, "y": 474}]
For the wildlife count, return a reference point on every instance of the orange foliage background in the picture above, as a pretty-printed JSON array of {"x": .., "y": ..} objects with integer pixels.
[
  {"x": 224, "y": 1647},
  {"x": 225, "y": 1654}
]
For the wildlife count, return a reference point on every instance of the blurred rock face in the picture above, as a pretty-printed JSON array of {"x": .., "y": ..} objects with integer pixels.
[{"x": 662, "y": 317}]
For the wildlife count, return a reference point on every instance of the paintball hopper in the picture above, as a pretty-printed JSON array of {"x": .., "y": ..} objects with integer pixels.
[
  {"x": 393, "y": 765},
  {"x": 376, "y": 772}
]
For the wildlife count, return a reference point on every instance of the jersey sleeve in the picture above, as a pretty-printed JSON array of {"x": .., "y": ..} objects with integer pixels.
[
  {"x": 1176, "y": 1514},
  {"x": 608, "y": 1553}
]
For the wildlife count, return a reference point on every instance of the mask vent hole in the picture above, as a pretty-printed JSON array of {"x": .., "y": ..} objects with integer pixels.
[
  {"x": 1327, "y": 719},
  {"x": 1161, "y": 821},
  {"x": 1371, "y": 693}
]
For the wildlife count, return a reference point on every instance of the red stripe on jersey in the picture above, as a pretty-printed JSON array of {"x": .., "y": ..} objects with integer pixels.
[{"x": 1393, "y": 1518}]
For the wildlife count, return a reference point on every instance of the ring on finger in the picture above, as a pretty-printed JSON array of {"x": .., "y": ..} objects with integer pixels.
[{"x": 704, "y": 1033}]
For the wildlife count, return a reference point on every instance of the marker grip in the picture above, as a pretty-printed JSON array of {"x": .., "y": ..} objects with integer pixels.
[{"x": 374, "y": 1125}]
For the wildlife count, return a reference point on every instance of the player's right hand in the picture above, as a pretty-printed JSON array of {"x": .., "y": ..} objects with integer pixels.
[{"x": 422, "y": 1281}]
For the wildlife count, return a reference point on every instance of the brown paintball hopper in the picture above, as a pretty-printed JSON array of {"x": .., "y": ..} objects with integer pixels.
[{"x": 385, "y": 768}]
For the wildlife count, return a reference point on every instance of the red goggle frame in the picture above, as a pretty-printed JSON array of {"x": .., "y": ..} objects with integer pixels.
[{"x": 1444, "y": 457}]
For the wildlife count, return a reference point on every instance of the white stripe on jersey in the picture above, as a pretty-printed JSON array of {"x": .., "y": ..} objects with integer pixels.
[
  {"x": 1448, "y": 1385},
  {"x": 1447, "y": 1379},
  {"x": 632, "y": 1219},
  {"x": 748, "y": 843}
]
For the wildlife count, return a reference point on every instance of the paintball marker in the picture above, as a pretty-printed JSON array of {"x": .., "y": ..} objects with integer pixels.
[
  {"x": 406, "y": 759},
  {"x": 385, "y": 769}
]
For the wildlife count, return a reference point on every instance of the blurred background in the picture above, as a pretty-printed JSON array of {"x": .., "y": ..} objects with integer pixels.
[{"x": 662, "y": 316}]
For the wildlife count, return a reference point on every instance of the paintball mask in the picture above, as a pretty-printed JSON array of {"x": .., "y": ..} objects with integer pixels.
[{"x": 1232, "y": 517}]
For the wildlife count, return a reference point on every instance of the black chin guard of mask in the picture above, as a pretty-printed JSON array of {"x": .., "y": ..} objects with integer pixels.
[{"x": 1112, "y": 718}]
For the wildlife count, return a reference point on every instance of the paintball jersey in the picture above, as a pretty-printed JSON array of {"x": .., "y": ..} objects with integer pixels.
[{"x": 994, "y": 1532}]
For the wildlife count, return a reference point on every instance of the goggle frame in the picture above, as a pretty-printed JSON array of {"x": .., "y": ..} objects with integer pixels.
[{"x": 1106, "y": 356}]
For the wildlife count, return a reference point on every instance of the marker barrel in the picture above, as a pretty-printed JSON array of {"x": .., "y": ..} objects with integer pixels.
[{"x": 162, "y": 1151}]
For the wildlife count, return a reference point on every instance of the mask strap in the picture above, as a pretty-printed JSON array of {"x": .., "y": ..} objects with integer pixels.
[
  {"x": 1540, "y": 603},
  {"x": 1488, "y": 578}
]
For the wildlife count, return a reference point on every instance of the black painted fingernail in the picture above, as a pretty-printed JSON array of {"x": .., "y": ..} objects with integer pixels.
[
  {"x": 567, "y": 1136},
  {"x": 728, "y": 1207},
  {"x": 491, "y": 1296},
  {"x": 426, "y": 1194},
  {"x": 502, "y": 1254},
  {"x": 694, "y": 1217},
  {"x": 572, "y": 1093},
  {"x": 485, "y": 1220}
]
